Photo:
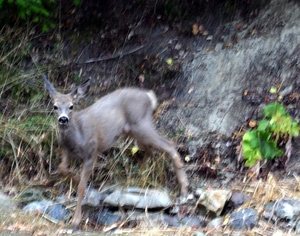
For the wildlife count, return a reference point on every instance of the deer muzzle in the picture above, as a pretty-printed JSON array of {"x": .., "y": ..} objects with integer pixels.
[{"x": 63, "y": 120}]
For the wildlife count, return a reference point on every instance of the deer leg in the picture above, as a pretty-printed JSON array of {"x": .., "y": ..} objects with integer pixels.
[
  {"x": 63, "y": 168},
  {"x": 85, "y": 175},
  {"x": 146, "y": 134}
]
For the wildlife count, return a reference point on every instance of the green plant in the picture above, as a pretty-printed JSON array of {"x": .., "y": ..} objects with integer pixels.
[
  {"x": 262, "y": 142},
  {"x": 37, "y": 11}
]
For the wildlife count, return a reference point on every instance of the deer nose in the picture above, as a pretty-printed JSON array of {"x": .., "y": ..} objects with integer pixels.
[{"x": 63, "y": 120}]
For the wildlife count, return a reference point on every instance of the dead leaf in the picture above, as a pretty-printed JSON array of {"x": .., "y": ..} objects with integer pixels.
[
  {"x": 195, "y": 30},
  {"x": 239, "y": 26},
  {"x": 205, "y": 32},
  {"x": 252, "y": 123},
  {"x": 141, "y": 78}
]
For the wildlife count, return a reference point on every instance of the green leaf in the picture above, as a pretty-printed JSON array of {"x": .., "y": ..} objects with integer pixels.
[
  {"x": 268, "y": 147},
  {"x": 263, "y": 125},
  {"x": 273, "y": 89},
  {"x": 251, "y": 150},
  {"x": 76, "y": 2},
  {"x": 45, "y": 28},
  {"x": 169, "y": 61},
  {"x": 295, "y": 129},
  {"x": 257, "y": 145},
  {"x": 273, "y": 108},
  {"x": 262, "y": 142},
  {"x": 36, "y": 19},
  {"x": 134, "y": 150},
  {"x": 255, "y": 157}
]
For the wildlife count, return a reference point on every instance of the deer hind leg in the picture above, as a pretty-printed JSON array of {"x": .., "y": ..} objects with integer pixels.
[
  {"x": 85, "y": 175},
  {"x": 146, "y": 134}
]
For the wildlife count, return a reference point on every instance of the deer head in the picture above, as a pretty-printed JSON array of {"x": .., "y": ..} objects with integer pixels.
[{"x": 63, "y": 104}]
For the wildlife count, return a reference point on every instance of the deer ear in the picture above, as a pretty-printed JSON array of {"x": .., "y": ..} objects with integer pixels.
[
  {"x": 81, "y": 90},
  {"x": 50, "y": 88}
]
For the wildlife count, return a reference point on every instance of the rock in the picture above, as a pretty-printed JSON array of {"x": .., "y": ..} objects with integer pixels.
[
  {"x": 214, "y": 200},
  {"x": 30, "y": 195},
  {"x": 58, "y": 212},
  {"x": 38, "y": 207},
  {"x": 238, "y": 199},
  {"x": 55, "y": 211},
  {"x": 285, "y": 208},
  {"x": 7, "y": 204},
  {"x": 106, "y": 217},
  {"x": 139, "y": 198},
  {"x": 62, "y": 199},
  {"x": 93, "y": 197},
  {"x": 199, "y": 233},
  {"x": 192, "y": 221},
  {"x": 199, "y": 191},
  {"x": 215, "y": 223},
  {"x": 297, "y": 229},
  {"x": 244, "y": 219}
]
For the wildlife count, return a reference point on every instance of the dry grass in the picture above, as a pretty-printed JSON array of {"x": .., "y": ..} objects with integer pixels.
[{"x": 261, "y": 192}]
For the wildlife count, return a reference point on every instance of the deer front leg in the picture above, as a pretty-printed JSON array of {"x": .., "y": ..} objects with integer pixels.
[
  {"x": 85, "y": 175},
  {"x": 63, "y": 167}
]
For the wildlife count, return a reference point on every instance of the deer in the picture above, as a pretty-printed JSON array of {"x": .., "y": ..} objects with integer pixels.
[{"x": 85, "y": 133}]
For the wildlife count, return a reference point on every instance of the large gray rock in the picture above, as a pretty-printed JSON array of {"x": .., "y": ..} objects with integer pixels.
[
  {"x": 139, "y": 198},
  {"x": 93, "y": 197},
  {"x": 216, "y": 79}
]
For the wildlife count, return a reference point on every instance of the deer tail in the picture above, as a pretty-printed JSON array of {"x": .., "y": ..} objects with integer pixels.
[{"x": 153, "y": 99}]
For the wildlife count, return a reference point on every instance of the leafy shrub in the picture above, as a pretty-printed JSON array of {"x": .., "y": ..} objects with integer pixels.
[
  {"x": 262, "y": 142},
  {"x": 37, "y": 11}
]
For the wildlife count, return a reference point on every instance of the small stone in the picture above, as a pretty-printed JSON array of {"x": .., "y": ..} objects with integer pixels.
[
  {"x": 244, "y": 219},
  {"x": 30, "y": 195},
  {"x": 58, "y": 212},
  {"x": 298, "y": 227},
  {"x": 39, "y": 206},
  {"x": 199, "y": 233},
  {"x": 238, "y": 199},
  {"x": 215, "y": 223},
  {"x": 93, "y": 198},
  {"x": 285, "y": 208},
  {"x": 209, "y": 38},
  {"x": 107, "y": 217},
  {"x": 214, "y": 200}
]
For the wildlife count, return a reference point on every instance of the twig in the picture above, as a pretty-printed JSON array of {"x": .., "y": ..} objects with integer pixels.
[
  {"x": 288, "y": 149},
  {"x": 13, "y": 146},
  {"x": 113, "y": 56}
]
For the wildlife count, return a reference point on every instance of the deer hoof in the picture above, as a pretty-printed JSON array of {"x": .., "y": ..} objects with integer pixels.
[{"x": 185, "y": 198}]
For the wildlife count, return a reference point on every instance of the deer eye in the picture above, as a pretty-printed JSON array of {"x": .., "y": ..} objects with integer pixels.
[
  {"x": 55, "y": 107},
  {"x": 71, "y": 107}
]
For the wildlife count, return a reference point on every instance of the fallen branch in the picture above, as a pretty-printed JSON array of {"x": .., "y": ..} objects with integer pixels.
[{"x": 113, "y": 56}]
